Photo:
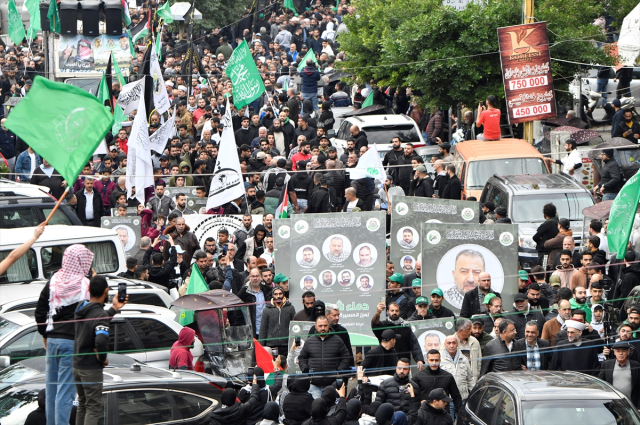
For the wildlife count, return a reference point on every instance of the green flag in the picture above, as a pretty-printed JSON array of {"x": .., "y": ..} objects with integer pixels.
[
  {"x": 66, "y": 135},
  {"x": 623, "y": 211},
  {"x": 119, "y": 75},
  {"x": 369, "y": 100},
  {"x": 164, "y": 12},
  {"x": 54, "y": 17},
  {"x": 309, "y": 55},
  {"x": 285, "y": 86},
  {"x": 33, "y": 6},
  {"x": 16, "y": 29},
  {"x": 244, "y": 75},
  {"x": 103, "y": 92},
  {"x": 288, "y": 4},
  {"x": 158, "y": 44},
  {"x": 118, "y": 119},
  {"x": 197, "y": 284}
]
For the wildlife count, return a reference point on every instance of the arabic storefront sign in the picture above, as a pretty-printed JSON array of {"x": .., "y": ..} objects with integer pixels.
[{"x": 526, "y": 72}]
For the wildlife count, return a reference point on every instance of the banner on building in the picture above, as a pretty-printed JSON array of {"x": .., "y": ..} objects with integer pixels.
[
  {"x": 204, "y": 226},
  {"x": 80, "y": 53}
]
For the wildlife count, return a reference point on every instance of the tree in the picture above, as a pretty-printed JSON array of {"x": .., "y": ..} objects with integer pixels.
[
  {"x": 217, "y": 14},
  {"x": 451, "y": 56}
]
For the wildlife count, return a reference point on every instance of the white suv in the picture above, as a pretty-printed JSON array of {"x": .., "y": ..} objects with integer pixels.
[{"x": 380, "y": 129}]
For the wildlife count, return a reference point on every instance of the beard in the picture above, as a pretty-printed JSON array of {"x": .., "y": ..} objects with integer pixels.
[{"x": 394, "y": 316}]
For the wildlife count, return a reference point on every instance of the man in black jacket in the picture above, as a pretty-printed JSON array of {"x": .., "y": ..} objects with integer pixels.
[
  {"x": 523, "y": 314},
  {"x": 441, "y": 179},
  {"x": 422, "y": 183},
  {"x": 535, "y": 353},
  {"x": 323, "y": 352},
  {"x": 408, "y": 344},
  {"x": 235, "y": 413},
  {"x": 610, "y": 178},
  {"x": 433, "y": 377},
  {"x": 629, "y": 129},
  {"x": 394, "y": 390},
  {"x": 160, "y": 271},
  {"x": 333, "y": 314},
  {"x": 547, "y": 230},
  {"x": 630, "y": 277},
  {"x": 453, "y": 189},
  {"x": 256, "y": 295},
  {"x": 471, "y": 302},
  {"x": 622, "y": 373},
  {"x": 89, "y": 351},
  {"x": 497, "y": 354},
  {"x": 359, "y": 137},
  {"x": 435, "y": 411},
  {"x": 89, "y": 207},
  {"x": 391, "y": 158},
  {"x": 404, "y": 173},
  {"x": 319, "y": 202},
  {"x": 381, "y": 359}
]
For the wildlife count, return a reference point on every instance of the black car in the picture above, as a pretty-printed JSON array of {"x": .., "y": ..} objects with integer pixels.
[
  {"x": 133, "y": 393},
  {"x": 18, "y": 211},
  {"x": 545, "y": 398}
]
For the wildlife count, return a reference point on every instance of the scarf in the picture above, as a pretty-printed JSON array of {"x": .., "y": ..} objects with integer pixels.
[
  {"x": 400, "y": 321},
  {"x": 69, "y": 284},
  {"x": 564, "y": 325}
]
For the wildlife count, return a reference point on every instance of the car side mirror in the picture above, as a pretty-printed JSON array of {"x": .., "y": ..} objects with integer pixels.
[
  {"x": 5, "y": 361},
  {"x": 331, "y": 133}
]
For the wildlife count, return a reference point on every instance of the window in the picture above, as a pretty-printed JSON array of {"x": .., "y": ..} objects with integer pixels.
[
  {"x": 24, "y": 308},
  {"x": 507, "y": 411},
  {"x": 19, "y": 217},
  {"x": 480, "y": 171},
  {"x": 143, "y": 407},
  {"x": 59, "y": 217},
  {"x": 190, "y": 405},
  {"x": 500, "y": 198},
  {"x": 528, "y": 208},
  {"x": 26, "y": 346},
  {"x": 146, "y": 298},
  {"x": 382, "y": 134},
  {"x": 125, "y": 343},
  {"x": 343, "y": 132},
  {"x": 153, "y": 334},
  {"x": 16, "y": 403},
  {"x": 583, "y": 412},
  {"x": 25, "y": 268},
  {"x": 487, "y": 407},
  {"x": 104, "y": 261},
  {"x": 472, "y": 403}
]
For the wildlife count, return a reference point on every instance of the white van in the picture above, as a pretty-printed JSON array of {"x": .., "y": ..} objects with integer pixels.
[{"x": 45, "y": 256}]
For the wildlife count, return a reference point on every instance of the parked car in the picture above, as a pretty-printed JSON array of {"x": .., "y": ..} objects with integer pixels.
[
  {"x": 142, "y": 332},
  {"x": 476, "y": 161},
  {"x": 380, "y": 129},
  {"x": 134, "y": 394},
  {"x": 45, "y": 256},
  {"x": 545, "y": 397},
  {"x": 17, "y": 212},
  {"x": 524, "y": 196}
]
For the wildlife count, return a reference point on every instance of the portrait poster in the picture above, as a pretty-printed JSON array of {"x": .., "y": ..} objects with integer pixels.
[
  {"x": 407, "y": 214},
  {"x": 199, "y": 205},
  {"x": 342, "y": 260},
  {"x": 205, "y": 225},
  {"x": 189, "y": 191},
  {"x": 131, "y": 211},
  {"x": 128, "y": 230},
  {"x": 281, "y": 245},
  {"x": 80, "y": 53},
  {"x": 297, "y": 329},
  {"x": 454, "y": 255},
  {"x": 432, "y": 332}
]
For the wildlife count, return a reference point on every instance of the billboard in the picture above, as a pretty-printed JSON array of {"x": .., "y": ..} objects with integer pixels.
[
  {"x": 204, "y": 225},
  {"x": 526, "y": 72},
  {"x": 453, "y": 255},
  {"x": 85, "y": 54}
]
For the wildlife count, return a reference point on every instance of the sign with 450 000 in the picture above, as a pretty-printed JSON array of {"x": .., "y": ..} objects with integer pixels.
[{"x": 526, "y": 72}]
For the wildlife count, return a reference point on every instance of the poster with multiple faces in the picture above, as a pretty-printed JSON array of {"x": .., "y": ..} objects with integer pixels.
[
  {"x": 407, "y": 214},
  {"x": 454, "y": 255},
  {"x": 341, "y": 258},
  {"x": 128, "y": 230}
]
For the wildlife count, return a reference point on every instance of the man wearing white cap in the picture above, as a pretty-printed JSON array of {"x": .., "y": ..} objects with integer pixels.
[{"x": 574, "y": 353}]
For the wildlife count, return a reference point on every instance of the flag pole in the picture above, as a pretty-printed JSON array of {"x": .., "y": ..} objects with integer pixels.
[{"x": 57, "y": 205}]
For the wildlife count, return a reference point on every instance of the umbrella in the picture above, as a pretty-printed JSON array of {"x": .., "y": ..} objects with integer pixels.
[
  {"x": 599, "y": 211},
  {"x": 369, "y": 110},
  {"x": 574, "y": 122},
  {"x": 579, "y": 135},
  {"x": 216, "y": 298}
]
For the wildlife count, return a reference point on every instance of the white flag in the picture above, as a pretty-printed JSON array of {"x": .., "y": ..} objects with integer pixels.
[
  {"x": 369, "y": 165},
  {"x": 158, "y": 140},
  {"x": 226, "y": 184},
  {"x": 160, "y": 97},
  {"x": 129, "y": 96},
  {"x": 139, "y": 165}
]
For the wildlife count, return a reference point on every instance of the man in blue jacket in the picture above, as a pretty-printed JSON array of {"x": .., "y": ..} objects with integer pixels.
[
  {"x": 310, "y": 77},
  {"x": 26, "y": 164}
]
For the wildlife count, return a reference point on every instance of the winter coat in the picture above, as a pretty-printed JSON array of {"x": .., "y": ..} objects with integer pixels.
[
  {"x": 65, "y": 315},
  {"x": 319, "y": 201},
  {"x": 428, "y": 415},
  {"x": 610, "y": 178},
  {"x": 453, "y": 189},
  {"x": 92, "y": 335},
  {"x": 342, "y": 332},
  {"x": 606, "y": 374},
  {"x": 520, "y": 319},
  {"x": 237, "y": 413},
  {"x": 297, "y": 404},
  {"x": 407, "y": 345},
  {"x": 389, "y": 392},
  {"x": 520, "y": 347},
  {"x": 323, "y": 355},
  {"x": 81, "y": 208},
  {"x": 422, "y": 187},
  {"x": 319, "y": 410},
  {"x": 461, "y": 371},
  {"x": 360, "y": 140},
  {"x": 554, "y": 245},
  {"x": 23, "y": 165},
  {"x": 434, "y": 129},
  {"x": 380, "y": 361},
  {"x": 429, "y": 380},
  {"x": 187, "y": 241},
  {"x": 54, "y": 183},
  {"x": 471, "y": 303},
  {"x": 310, "y": 77},
  {"x": 630, "y": 279},
  {"x": 250, "y": 299},
  {"x": 161, "y": 205},
  {"x": 274, "y": 327},
  {"x": 498, "y": 358},
  {"x": 547, "y": 230}
]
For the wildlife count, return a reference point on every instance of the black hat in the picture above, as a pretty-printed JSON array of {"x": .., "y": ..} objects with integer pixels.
[
  {"x": 322, "y": 137},
  {"x": 477, "y": 318},
  {"x": 565, "y": 223},
  {"x": 518, "y": 297},
  {"x": 608, "y": 152},
  {"x": 490, "y": 205},
  {"x": 621, "y": 345},
  {"x": 198, "y": 163},
  {"x": 164, "y": 158},
  {"x": 501, "y": 211},
  {"x": 389, "y": 334},
  {"x": 439, "y": 394},
  {"x": 332, "y": 149},
  {"x": 154, "y": 125}
]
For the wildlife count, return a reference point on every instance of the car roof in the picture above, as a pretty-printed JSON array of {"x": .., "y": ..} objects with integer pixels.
[
  {"x": 530, "y": 183},
  {"x": 14, "y": 292},
  {"x": 552, "y": 385},
  {"x": 18, "y": 318},
  {"x": 374, "y": 120},
  {"x": 114, "y": 280},
  {"x": 54, "y": 234},
  {"x": 145, "y": 311},
  {"x": 11, "y": 188},
  {"x": 503, "y": 148}
]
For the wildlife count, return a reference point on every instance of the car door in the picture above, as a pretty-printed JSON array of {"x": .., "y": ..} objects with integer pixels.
[
  {"x": 123, "y": 340},
  {"x": 144, "y": 406},
  {"x": 23, "y": 346},
  {"x": 485, "y": 412},
  {"x": 194, "y": 409},
  {"x": 156, "y": 338}
]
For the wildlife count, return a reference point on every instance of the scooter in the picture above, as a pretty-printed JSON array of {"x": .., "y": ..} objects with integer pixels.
[{"x": 596, "y": 101}]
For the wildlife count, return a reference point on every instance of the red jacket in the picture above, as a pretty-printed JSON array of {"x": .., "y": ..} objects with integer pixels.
[
  {"x": 104, "y": 190},
  {"x": 123, "y": 144}
]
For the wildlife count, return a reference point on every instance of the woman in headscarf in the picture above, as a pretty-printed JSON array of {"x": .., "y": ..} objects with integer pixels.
[
  {"x": 234, "y": 413},
  {"x": 264, "y": 396},
  {"x": 384, "y": 414},
  {"x": 354, "y": 409},
  {"x": 369, "y": 413},
  {"x": 55, "y": 317},
  {"x": 318, "y": 310},
  {"x": 297, "y": 405},
  {"x": 399, "y": 418},
  {"x": 319, "y": 411},
  {"x": 271, "y": 414}
]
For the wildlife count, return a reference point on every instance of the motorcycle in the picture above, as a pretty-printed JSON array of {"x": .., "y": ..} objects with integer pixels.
[{"x": 596, "y": 101}]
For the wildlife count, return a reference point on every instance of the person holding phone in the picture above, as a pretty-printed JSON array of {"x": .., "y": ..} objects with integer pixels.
[
  {"x": 399, "y": 390},
  {"x": 160, "y": 271},
  {"x": 231, "y": 412}
]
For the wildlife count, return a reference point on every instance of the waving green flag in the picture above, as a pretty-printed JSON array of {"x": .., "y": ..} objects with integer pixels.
[
  {"x": 197, "y": 284},
  {"x": 369, "y": 100},
  {"x": 623, "y": 212},
  {"x": 54, "y": 17},
  {"x": 33, "y": 6},
  {"x": 309, "y": 55},
  {"x": 16, "y": 29},
  {"x": 119, "y": 75},
  {"x": 244, "y": 75},
  {"x": 164, "y": 12},
  {"x": 118, "y": 118},
  {"x": 288, "y": 4},
  {"x": 66, "y": 135}
]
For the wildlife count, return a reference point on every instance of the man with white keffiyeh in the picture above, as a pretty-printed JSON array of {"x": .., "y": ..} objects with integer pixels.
[{"x": 54, "y": 315}]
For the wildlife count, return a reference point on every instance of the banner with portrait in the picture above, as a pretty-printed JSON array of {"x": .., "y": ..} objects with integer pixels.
[
  {"x": 297, "y": 329},
  {"x": 131, "y": 211},
  {"x": 282, "y": 245},
  {"x": 189, "y": 191},
  {"x": 407, "y": 214},
  {"x": 432, "y": 332},
  {"x": 83, "y": 54},
  {"x": 128, "y": 230},
  {"x": 342, "y": 260},
  {"x": 205, "y": 225},
  {"x": 454, "y": 255}
]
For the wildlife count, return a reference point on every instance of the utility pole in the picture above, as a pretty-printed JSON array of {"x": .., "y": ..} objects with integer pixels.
[{"x": 527, "y": 18}]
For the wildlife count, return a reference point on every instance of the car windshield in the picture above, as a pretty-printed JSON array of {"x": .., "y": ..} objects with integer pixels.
[
  {"x": 583, "y": 412},
  {"x": 16, "y": 404},
  {"x": 24, "y": 269},
  {"x": 6, "y": 327},
  {"x": 384, "y": 133},
  {"x": 15, "y": 373},
  {"x": 528, "y": 208},
  {"x": 480, "y": 171}
]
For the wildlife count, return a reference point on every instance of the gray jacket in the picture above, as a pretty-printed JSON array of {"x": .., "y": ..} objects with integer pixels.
[
  {"x": 274, "y": 327},
  {"x": 162, "y": 205}
]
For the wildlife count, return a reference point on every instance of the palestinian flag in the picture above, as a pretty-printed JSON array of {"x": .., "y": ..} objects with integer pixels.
[
  {"x": 264, "y": 360},
  {"x": 125, "y": 12},
  {"x": 141, "y": 30},
  {"x": 283, "y": 202}
]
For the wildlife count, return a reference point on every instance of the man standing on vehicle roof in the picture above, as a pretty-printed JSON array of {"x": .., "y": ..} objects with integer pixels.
[{"x": 571, "y": 162}]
